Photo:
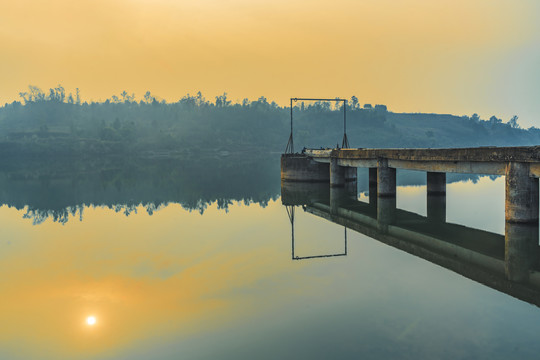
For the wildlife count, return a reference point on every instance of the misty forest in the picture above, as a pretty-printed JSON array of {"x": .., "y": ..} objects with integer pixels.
[{"x": 55, "y": 123}]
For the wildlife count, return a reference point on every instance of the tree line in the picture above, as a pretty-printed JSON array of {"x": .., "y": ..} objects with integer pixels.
[{"x": 58, "y": 123}]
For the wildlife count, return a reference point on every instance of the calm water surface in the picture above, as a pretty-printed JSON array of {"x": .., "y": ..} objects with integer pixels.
[{"x": 178, "y": 284}]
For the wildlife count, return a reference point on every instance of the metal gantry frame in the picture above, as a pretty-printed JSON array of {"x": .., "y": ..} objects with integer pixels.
[{"x": 344, "y": 143}]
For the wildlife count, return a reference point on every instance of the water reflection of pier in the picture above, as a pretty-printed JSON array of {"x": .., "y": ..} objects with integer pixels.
[
  {"x": 508, "y": 265},
  {"x": 291, "y": 211}
]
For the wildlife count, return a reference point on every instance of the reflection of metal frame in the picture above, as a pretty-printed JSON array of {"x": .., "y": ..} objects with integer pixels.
[{"x": 290, "y": 212}]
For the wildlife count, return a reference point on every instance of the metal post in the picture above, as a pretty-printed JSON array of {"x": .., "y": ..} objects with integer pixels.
[
  {"x": 345, "y": 142},
  {"x": 290, "y": 144},
  {"x": 291, "y": 125},
  {"x": 344, "y": 117}
]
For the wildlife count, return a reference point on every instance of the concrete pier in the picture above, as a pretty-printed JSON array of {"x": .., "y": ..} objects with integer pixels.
[
  {"x": 300, "y": 168},
  {"x": 336, "y": 167},
  {"x": 373, "y": 176},
  {"x": 436, "y": 196},
  {"x": 386, "y": 212},
  {"x": 521, "y": 202},
  {"x": 509, "y": 263},
  {"x": 340, "y": 195},
  {"x": 337, "y": 174},
  {"x": 436, "y": 207},
  {"x": 436, "y": 183},
  {"x": 351, "y": 174},
  {"x": 296, "y": 167},
  {"x": 373, "y": 186},
  {"x": 520, "y": 251},
  {"x": 386, "y": 179}
]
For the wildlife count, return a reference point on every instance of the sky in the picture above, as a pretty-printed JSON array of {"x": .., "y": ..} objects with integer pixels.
[{"x": 446, "y": 56}]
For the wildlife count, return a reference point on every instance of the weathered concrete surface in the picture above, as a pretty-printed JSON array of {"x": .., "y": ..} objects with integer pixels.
[
  {"x": 351, "y": 174},
  {"x": 436, "y": 208},
  {"x": 436, "y": 196},
  {"x": 480, "y": 160},
  {"x": 436, "y": 183},
  {"x": 386, "y": 212},
  {"x": 303, "y": 193},
  {"x": 386, "y": 179},
  {"x": 337, "y": 174},
  {"x": 521, "y": 250},
  {"x": 373, "y": 176},
  {"x": 521, "y": 203},
  {"x": 487, "y": 154},
  {"x": 302, "y": 168},
  {"x": 339, "y": 195},
  {"x": 373, "y": 186}
]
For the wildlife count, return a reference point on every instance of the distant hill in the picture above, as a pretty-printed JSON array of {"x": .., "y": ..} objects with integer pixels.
[{"x": 53, "y": 125}]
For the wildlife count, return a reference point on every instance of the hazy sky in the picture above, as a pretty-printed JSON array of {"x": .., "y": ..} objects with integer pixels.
[{"x": 445, "y": 56}]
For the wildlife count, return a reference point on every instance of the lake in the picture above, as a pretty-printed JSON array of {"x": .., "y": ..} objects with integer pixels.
[{"x": 173, "y": 260}]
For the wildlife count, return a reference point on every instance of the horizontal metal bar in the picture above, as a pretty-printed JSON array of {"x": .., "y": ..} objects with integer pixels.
[
  {"x": 314, "y": 99},
  {"x": 316, "y": 256}
]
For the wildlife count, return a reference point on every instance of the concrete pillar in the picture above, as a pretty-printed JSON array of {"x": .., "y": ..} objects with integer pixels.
[
  {"x": 303, "y": 193},
  {"x": 436, "y": 196},
  {"x": 337, "y": 173},
  {"x": 521, "y": 203},
  {"x": 436, "y": 208},
  {"x": 337, "y": 198},
  {"x": 520, "y": 250},
  {"x": 351, "y": 188},
  {"x": 436, "y": 183},
  {"x": 386, "y": 179},
  {"x": 373, "y": 176},
  {"x": 373, "y": 186},
  {"x": 351, "y": 173},
  {"x": 386, "y": 212},
  {"x": 300, "y": 168}
]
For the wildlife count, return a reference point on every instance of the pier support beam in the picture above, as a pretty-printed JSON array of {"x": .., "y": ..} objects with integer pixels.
[
  {"x": 520, "y": 250},
  {"x": 436, "y": 208},
  {"x": 386, "y": 194},
  {"x": 521, "y": 202},
  {"x": 436, "y": 196},
  {"x": 436, "y": 183},
  {"x": 337, "y": 173},
  {"x": 300, "y": 168},
  {"x": 386, "y": 212},
  {"x": 386, "y": 179},
  {"x": 351, "y": 174},
  {"x": 339, "y": 196},
  {"x": 373, "y": 186}
]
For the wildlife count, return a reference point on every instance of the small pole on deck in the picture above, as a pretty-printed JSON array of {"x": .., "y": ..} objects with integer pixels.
[
  {"x": 290, "y": 145},
  {"x": 345, "y": 142}
]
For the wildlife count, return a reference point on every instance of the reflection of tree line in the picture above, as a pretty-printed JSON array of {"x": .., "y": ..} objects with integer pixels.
[{"x": 60, "y": 190}]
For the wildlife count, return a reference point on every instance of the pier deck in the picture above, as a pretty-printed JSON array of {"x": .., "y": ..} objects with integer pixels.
[{"x": 480, "y": 160}]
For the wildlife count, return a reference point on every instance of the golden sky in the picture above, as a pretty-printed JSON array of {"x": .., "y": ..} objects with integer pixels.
[{"x": 445, "y": 56}]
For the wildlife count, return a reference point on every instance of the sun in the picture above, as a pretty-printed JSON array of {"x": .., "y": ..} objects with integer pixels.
[{"x": 91, "y": 321}]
